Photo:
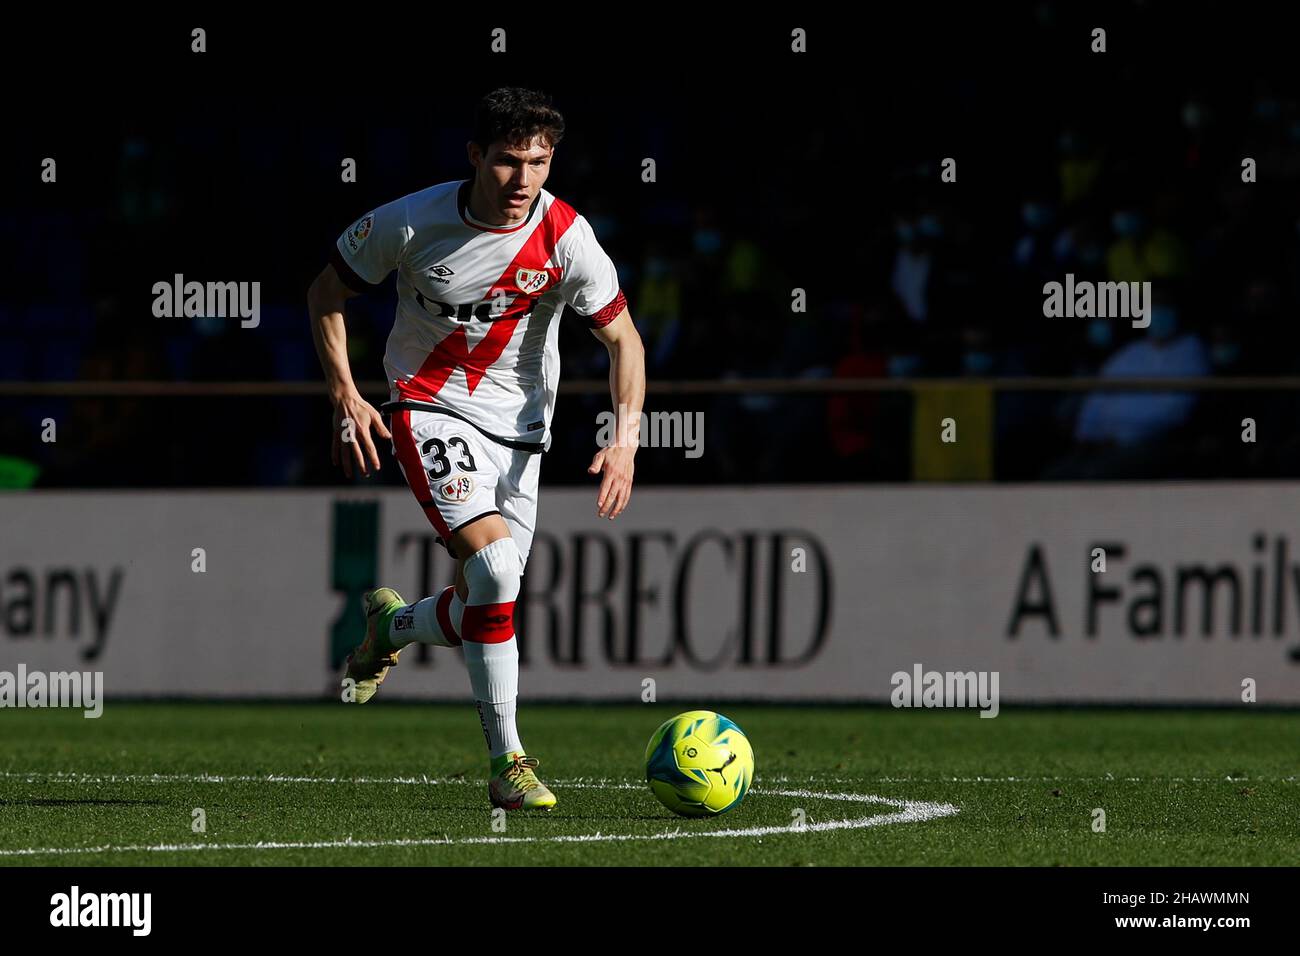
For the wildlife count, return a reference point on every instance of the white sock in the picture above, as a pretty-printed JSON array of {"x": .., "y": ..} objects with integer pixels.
[
  {"x": 499, "y": 727},
  {"x": 492, "y": 574},
  {"x": 419, "y": 622},
  {"x": 457, "y": 612},
  {"x": 494, "y": 678}
]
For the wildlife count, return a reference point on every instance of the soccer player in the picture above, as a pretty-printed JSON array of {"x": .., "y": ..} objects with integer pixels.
[{"x": 485, "y": 267}]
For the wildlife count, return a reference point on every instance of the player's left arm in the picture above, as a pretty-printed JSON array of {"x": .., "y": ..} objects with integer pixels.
[{"x": 627, "y": 391}]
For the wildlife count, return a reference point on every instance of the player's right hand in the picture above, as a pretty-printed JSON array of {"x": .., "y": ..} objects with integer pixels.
[{"x": 352, "y": 445}]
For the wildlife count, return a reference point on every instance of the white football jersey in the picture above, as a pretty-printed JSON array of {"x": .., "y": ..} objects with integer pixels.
[{"x": 478, "y": 306}]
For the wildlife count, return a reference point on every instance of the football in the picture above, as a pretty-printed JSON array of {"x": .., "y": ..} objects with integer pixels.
[{"x": 699, "y": 764}]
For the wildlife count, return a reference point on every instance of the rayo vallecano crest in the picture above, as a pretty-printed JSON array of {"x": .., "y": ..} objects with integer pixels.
[{"x": 531, "y": 280}]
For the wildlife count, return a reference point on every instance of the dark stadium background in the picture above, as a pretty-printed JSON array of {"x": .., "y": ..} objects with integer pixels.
[
  {"x": 219, "y": 581},
  {"x": 771, "y": 176}
]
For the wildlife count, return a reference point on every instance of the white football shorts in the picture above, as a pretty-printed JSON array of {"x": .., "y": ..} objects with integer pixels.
[{"x": 458, "y": 474}]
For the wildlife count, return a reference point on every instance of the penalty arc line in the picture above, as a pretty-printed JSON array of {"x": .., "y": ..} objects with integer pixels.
[{"x": 909, "y": 811}]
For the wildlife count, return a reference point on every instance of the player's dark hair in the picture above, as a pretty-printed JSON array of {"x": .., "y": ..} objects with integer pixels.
[{"x": 514, "y": 115}]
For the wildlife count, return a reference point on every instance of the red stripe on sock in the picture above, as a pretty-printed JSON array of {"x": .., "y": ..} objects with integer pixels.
[
  {"x": 488, "y": 623},
  {"x": 442, "y": 609}
]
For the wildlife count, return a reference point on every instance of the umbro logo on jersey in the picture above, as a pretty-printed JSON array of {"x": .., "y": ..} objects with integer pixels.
[
  {"x": 531, "y": 280},
  {"x": 440, "y": 273}
]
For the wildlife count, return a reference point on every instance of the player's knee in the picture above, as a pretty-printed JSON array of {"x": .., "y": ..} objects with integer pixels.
[{"x": 492, "y": 573}]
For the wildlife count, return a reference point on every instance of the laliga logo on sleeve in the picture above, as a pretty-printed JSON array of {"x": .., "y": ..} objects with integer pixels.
[
  {"x": 357, "y": 234},
  {"x": 531, "y": 280},
  {"x": 458, "y": 489}
]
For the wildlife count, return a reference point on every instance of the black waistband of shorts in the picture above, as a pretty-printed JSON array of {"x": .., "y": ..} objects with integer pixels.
[{"x": 531, "y": 447}]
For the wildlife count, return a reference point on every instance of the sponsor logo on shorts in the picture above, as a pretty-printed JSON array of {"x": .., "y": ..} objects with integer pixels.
[
  {"x": 357, "y": 234},
  {"x": 531, "y": 280},
  {"x": 457, "y": 489}
]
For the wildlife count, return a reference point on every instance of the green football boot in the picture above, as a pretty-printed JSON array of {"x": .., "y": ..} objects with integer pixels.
[
  {"x": 517, "y": 787},
  {"x": 368, "y": 664}
]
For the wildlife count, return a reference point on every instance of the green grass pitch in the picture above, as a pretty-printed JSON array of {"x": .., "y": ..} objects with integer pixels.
[{"x": 406, "y": 784}]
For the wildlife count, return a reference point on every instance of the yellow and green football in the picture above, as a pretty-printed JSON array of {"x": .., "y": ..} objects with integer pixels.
[{"x": 699, "y": 764}]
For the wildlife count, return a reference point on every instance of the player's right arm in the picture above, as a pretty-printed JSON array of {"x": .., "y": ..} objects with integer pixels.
[
  {"x": 325, "y": 301},
  {"x": 363, "y": 257}
]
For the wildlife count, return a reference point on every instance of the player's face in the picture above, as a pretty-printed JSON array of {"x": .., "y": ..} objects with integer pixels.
[{"x": 510, "y": 177}]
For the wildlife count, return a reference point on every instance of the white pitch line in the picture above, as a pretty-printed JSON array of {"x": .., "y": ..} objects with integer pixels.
[
  {"x": 42, "y": 776},
  {"x": 909, "y": 811},
  {"x": 74, "y": 777},
  {"x": 1108, "y": 778}
]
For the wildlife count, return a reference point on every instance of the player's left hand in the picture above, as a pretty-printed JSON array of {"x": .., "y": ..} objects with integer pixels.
[{"x": 616, "y": 486}]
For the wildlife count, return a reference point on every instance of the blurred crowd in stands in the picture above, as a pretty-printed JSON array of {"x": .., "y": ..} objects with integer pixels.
[{"x": 925, "y": 280}]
